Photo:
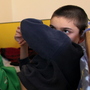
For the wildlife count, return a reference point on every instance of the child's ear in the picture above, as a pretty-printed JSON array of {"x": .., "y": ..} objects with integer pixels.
[{"x": 81, "y": 40}]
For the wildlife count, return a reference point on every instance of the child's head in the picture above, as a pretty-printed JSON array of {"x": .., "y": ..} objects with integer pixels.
[{"x": 70, "y": 19}]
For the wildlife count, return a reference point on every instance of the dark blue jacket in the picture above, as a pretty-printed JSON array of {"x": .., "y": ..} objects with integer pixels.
[{"x": 57, "y": 65}]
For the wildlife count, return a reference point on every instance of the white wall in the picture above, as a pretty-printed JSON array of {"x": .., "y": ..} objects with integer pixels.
[
  {"x": 40, "y": 9},
  {"x": 5, "y": 11}
]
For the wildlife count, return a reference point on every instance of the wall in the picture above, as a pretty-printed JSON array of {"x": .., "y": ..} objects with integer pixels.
[
  {"x": 42, "y": 9},
  {"x": 16, "y": 10},
  {"x": 5, "y": 11},
  {"x": 7, "y": 33}
]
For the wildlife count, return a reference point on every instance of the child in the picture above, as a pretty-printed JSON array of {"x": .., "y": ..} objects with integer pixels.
[{"x": 57, "y": 65}]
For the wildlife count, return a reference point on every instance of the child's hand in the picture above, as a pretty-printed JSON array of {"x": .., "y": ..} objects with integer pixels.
[{"x": 18, "y": 37}]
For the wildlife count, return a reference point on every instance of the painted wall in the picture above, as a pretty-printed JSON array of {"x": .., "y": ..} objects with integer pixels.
[
  {"x": 16, "y": 10},
  {"x": 5, "y": 11},
  {"x": 7, "y": 33}
]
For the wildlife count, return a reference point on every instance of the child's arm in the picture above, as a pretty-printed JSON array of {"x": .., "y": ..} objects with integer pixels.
[
  {"x": 24, "y": 51},
  {"x": 23, "y": 44},
  {"x": 45, "y": 40},
  {"x": 23, "y": 48},
  {"x": 22, "y": 86}
]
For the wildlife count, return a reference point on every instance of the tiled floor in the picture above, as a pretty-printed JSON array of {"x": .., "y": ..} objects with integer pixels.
[{"x": 7, "y": 63}]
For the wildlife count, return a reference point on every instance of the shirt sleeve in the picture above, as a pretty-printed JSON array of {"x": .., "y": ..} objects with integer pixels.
[
  {"x": 43, "y": 39},
  {"x": 23, "y": 62},
  {"x": 58, "y": 57}
]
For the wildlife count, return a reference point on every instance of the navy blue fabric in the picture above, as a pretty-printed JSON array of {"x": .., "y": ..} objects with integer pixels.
[{"x": 57, "y": 65}]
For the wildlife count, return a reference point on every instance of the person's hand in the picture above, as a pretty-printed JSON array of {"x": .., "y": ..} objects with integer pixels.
[{"x": 18, "y": 37}]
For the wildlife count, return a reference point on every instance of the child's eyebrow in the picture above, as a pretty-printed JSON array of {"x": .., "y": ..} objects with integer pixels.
[
  {"x": 52, "y": 26},
  {"x": 66, "y": 28},
  {"x": 62, "y": 28}
]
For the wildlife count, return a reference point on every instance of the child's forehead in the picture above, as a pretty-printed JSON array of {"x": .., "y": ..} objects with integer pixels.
[
  {"x": 62, "y": 21},
  {"x": 73, "y": 19}
]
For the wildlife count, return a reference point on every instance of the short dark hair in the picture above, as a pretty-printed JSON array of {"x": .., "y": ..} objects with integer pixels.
[{"x": 75, "y": 13}]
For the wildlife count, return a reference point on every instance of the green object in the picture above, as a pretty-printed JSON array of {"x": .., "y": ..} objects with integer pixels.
[{"x": 8, "y": 78}]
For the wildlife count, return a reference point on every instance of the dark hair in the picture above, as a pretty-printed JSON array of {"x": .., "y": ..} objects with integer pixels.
[{"x": 75, "y": 13}]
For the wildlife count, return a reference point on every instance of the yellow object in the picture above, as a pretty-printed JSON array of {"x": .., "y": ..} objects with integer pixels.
[
  {"x": 7, "y": 33},
  {"x": 87, "y": 38}
]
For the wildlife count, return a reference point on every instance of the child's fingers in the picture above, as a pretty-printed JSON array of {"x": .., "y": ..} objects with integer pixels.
[
  {"x": 22, "y": 42},
  {"x": 18, "y": 38},
  {"x": 18, "y": 27},
  {"x": 18, "y": 35},
  {"x": 18, "y": 31}
]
